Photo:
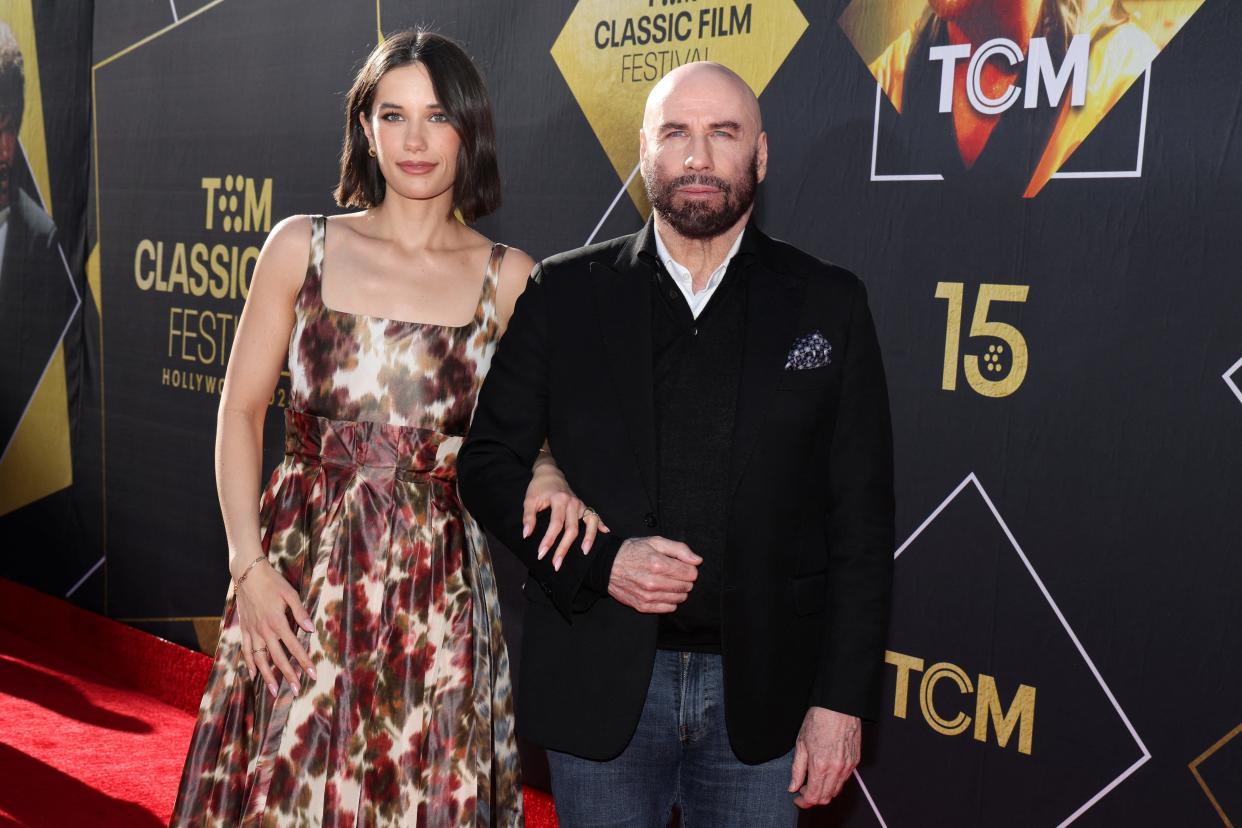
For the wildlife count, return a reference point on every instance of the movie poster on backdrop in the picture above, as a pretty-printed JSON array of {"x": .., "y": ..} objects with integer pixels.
[
  {"x": 201, "y": 150},
  {"x": 980, "y": 103},
  {"x": 39, "y": 297}
]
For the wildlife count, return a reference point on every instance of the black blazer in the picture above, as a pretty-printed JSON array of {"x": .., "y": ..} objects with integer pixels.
[
  {"x": 36, "y": 301},
  {"x": 808, "y": 561}
]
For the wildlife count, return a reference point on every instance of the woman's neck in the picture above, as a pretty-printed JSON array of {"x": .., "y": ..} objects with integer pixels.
[{"x": 416, "y": 224}]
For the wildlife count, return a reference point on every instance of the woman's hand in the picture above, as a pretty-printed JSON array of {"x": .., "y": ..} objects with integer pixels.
[
  {"x": 548, "y": 489},
  {"x": 262, "y": 600}
]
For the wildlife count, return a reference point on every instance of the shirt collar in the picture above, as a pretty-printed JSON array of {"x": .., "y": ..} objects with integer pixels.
[
  {"x": 4, "y": 216},
  {"x": 681, "y": 273}
]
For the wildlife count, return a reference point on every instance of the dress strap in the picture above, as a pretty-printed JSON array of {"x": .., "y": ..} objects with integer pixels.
[
  {"x": 310, "y": 295},
  {"x": 491, "y": 281}
]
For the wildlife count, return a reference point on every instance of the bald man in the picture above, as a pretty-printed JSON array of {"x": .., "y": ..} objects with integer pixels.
[{"x": 718, "y": 397}]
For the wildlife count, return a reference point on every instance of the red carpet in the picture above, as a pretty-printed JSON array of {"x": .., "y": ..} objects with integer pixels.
[{"x": 95, "y": 718}]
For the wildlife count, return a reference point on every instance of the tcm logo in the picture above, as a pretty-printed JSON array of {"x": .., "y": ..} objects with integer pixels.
[
  {"x": 990, "y": 714},
  {"x": 954, "y": 72},
  {"x": 244, "y": 203},
  {"x": 1040, "y": 71},
  {"x": 207, "y": 277}
]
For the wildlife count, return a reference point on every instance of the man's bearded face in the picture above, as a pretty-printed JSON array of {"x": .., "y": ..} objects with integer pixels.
[{"x": 688, "y": 205}]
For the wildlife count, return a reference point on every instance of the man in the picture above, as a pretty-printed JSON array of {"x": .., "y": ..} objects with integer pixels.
[
  {"x": 719, "y": 398},
  {"x": 36, "y": 296},
  {"x": 1022, "y": 147}
]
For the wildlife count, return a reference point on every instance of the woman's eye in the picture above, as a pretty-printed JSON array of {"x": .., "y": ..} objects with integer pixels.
[
  {"x": 391, "y": 116},
  {"x": 439, "y": 118}
]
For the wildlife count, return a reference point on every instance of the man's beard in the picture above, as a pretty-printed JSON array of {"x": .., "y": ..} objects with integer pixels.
[{"x": 699, "y": 219}]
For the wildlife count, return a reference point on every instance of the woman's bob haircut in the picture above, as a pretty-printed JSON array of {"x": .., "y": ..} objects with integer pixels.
[{"x": 459, "y": 90}]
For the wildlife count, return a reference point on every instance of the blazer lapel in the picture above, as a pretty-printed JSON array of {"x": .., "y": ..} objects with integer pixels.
[
  {"x": 623, "y": 304},
  {"x": 774, "y": 302}
]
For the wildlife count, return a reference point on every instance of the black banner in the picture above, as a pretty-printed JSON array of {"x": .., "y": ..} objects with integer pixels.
[{"x": 1044, "y": 213}]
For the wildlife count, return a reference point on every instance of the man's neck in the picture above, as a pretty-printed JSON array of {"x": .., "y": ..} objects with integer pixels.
[
  {"x": 1016, "y": 21},
  {"x": 700, "y": 256}
]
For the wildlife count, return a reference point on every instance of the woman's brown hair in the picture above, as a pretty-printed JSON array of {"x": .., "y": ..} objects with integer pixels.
[{"x": 459, "y": 90}]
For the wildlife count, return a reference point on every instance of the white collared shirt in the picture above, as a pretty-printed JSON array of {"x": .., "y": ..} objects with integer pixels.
[
  {"x": 685, "y": 282},
  {"x": 4, "y": 235}
]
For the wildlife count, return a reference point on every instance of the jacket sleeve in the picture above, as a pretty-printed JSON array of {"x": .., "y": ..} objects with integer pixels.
[
  {"x": 860, "y": 530},
  {"x": 494, "y": 465}
]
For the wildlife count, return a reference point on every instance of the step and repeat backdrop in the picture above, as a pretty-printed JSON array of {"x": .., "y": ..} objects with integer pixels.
[{"x": 1046, "y": 209}]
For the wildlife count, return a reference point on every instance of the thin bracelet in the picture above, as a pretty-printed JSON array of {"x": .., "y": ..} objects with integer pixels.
[{"x": 246, "y": 572}]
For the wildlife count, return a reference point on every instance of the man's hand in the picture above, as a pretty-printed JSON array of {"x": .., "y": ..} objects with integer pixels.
[
  {"x": 653, "y": 574},
  {"x": 826, "y": 754}
]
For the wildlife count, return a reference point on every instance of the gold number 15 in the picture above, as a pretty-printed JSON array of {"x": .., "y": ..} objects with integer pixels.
[{"x": 1012, "y": 338}]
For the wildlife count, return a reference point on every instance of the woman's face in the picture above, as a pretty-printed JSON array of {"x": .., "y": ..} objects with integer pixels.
[{"x": 416, "y": 146}]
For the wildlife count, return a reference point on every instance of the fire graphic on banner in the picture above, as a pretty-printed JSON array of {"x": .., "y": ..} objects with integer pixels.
[{"x": 1004, "y": 87}]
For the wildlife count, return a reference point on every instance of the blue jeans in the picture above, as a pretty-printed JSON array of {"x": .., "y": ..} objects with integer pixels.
[{"x": 679, "y": 755}]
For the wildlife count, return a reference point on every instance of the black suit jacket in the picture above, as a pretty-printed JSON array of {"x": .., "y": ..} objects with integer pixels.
[
  {"x": 36, "y": 301},
  {"x": 808, "y": 560}
]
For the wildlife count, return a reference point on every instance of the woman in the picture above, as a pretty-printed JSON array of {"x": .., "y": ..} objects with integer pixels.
[{"x": 387, "y": 702}]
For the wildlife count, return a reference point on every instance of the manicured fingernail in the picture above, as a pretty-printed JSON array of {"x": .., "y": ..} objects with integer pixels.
[
  {"x": 556, "y": 565},
  {"x": 542, "y": 552},
  {"x": 297, "y": 688},
  {"x": 586, "y": 547},
  {"x": 271, "y": 687},
  {"x": 311, "y": 672},
  {"x": 525, "y": 532},
  {"x": 308, "y": 626}
]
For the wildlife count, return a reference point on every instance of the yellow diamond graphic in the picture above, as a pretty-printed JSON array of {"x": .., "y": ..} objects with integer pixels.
[
  {"x": 611, "y": 52},
  {"x": 1125, "y": 36}
]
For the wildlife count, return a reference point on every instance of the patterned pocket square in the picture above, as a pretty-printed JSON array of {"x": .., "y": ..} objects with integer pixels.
[{"x": 810, "y": 351}]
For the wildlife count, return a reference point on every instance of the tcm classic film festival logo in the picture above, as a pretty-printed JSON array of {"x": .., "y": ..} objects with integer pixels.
[
  {"x": 206, "y": 279},
  {"x": 611, "y": 52},
  {"x": 1006, "y": 88}
]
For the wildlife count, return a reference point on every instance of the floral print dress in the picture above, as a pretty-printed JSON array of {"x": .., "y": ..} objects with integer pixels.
[{"x": 410, "y": 721}]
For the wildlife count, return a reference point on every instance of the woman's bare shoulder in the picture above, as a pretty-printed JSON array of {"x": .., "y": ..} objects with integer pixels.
[
  {"x": 516, "y": 266},
  {"x": 285, "y": 256}
]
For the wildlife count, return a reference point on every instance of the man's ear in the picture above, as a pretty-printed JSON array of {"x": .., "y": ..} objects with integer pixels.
[
  {"x": 642, "y": 145},
  {"x": 761, "y": 155}
]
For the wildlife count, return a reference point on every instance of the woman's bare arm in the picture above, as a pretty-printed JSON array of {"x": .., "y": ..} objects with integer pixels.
[
  {"x": 259, "y": 351},
  {"x": 548, "y": 488},
  {"x": 260, "y": 348}
]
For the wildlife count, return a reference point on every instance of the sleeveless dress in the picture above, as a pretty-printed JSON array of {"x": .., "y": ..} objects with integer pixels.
[{"x": 410, "y": 721}]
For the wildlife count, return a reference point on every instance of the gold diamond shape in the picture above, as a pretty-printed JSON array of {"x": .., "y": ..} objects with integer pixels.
[
  {"x": 611, "y": 54},
  {"x": 1207, "y": 754}
]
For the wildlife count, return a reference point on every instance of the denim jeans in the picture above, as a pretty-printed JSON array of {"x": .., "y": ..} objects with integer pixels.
[{"x": 679, "y": 755}]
